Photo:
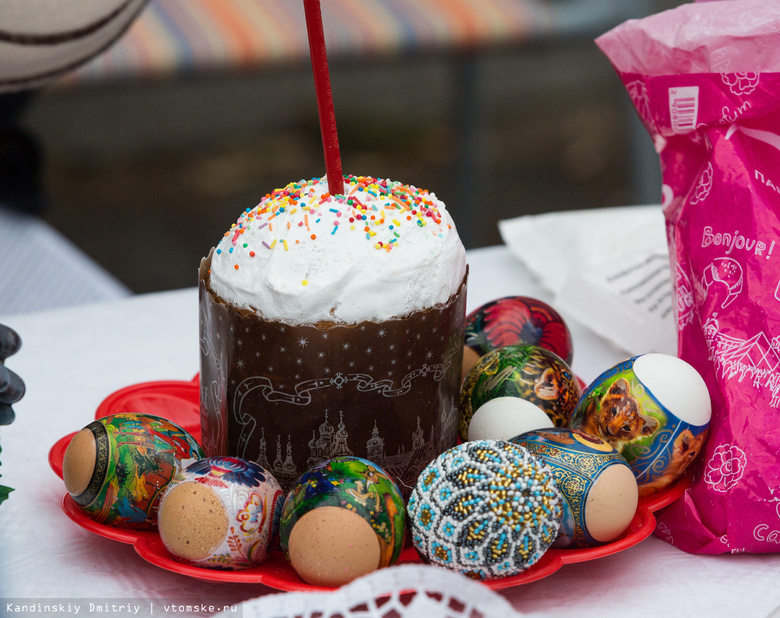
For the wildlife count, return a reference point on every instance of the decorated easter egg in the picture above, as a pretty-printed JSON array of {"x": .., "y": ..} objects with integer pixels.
[
  {"x": 655, "y": 410},
  {"x": 514, "y": 320},
  {"x": 343, "y": 518},
  {"x": 599, "y": 489},
  {"x": 517, "y": 375},
  {"x": 117, "y": 467},
  {"x": 487, "y": 509},
  {"x": 221, "y": 512}
]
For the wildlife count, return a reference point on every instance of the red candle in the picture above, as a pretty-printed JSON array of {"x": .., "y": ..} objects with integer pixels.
[{"x": 319, "y": 62}]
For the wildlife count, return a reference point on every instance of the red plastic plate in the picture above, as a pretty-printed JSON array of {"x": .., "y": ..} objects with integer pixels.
[{"x": 179, "y": 402}]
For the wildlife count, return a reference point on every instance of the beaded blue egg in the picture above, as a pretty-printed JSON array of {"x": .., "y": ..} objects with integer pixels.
[{"x": 487, "y": 509}]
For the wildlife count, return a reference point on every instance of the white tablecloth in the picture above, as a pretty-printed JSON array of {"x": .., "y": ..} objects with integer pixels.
[{"x": 73, "y": 358}]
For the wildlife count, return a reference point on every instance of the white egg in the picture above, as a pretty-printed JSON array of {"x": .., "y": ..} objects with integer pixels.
[
  {"x": 676, "y": 385},
  {"x": 503, "y": 418}
]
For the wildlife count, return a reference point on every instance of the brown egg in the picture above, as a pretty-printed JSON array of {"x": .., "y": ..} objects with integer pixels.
[
  {"x": 470, "y": 358},
  {"x": 78, "y": 463},
  {"x": 221, "y": 512},
  {"x": 343, "y": 518},
  {"x": 331, "y": 546},
  {"x": 611, "y": 503},
  {"x": 192, "y": 521},
  {"x": 598, "y": 486}
]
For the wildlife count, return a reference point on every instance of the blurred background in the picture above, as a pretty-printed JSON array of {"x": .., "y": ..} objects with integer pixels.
[{"x": 150, "y": 151}]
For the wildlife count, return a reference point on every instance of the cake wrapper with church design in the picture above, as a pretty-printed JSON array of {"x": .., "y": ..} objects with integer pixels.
[{"x": 290, "y": 396}]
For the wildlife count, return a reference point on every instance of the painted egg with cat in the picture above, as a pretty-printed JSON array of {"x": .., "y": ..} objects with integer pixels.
[
  {"x": 221, "y": 512},
  {"x": 599, "y": 489},
  {"x": 655, "y": 410},
  {"x": 515, "y": 389},
  {"x": 487, "y": 509},
  {"x": 117, "y": 467},
  {"x": 343, "y": 518},
  {"x": 514, "y": 320}
]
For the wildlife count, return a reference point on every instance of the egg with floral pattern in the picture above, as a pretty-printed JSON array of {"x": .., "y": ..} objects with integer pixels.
[
  {"x": 221, "y": 512},
  {"x": 117, "y": 467}
]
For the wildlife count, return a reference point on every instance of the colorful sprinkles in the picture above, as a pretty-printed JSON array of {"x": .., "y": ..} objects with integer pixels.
[{"x": 382, "y": 222}]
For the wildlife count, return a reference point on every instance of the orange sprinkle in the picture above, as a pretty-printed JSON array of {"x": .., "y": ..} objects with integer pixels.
[
  {"x": 235, "y": 266},
  {"x": 314, "y": 237}
]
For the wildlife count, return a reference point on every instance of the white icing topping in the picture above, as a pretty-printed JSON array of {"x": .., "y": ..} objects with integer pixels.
[{"x": 303, "y": 256}]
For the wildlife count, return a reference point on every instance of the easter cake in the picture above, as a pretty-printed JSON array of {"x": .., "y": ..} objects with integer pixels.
[{"x": 333, "y": 325}]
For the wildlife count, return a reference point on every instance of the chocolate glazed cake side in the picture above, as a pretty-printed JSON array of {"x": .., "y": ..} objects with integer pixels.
[{"x": 290, "y": 396}]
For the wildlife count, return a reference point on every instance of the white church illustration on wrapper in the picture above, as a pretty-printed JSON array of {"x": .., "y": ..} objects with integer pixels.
[{"x": 328, "y": 442}]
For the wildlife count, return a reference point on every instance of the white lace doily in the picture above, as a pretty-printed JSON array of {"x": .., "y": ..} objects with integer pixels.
[{"x": 403, "y": 591}]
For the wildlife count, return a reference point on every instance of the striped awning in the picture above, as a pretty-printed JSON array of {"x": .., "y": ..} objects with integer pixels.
[{"x": 182, "y": 36}]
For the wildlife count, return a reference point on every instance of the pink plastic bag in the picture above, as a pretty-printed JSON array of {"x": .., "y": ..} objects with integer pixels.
[{"x": 705, "y": 79}]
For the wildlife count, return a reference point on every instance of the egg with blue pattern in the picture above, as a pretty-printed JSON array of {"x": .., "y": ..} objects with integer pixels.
[
  {"x": 655, "y": 410},
  {"x": 598, "y": 486}
]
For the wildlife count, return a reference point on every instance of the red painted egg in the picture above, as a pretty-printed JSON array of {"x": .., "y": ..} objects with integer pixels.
[{"x": 515, "y": 320}]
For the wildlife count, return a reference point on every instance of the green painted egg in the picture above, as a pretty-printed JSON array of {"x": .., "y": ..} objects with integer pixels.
[
  {"x": 343, "y": 518},
  {"x": 515, "y": 389},
  {"x": 117, "y": 467}
]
